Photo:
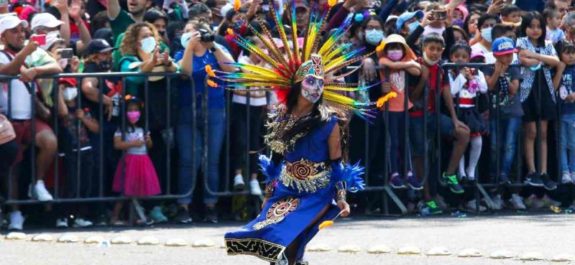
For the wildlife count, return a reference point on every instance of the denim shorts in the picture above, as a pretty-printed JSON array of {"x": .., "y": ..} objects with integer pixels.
[{"x": 416, "y": 135}]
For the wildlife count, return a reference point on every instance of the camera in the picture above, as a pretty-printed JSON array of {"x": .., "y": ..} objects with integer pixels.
[
  {"x": 206, "y": 35},
  {"x": 439, "y": 14}
]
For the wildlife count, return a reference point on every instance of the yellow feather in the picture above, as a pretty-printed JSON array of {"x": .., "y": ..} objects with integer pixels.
[
  {"x": 381, "y": 101},
  {"x": 325, "y": 224}
]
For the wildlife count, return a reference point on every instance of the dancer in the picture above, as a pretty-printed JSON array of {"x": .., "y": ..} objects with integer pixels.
[{"x": 306, "y": 176}]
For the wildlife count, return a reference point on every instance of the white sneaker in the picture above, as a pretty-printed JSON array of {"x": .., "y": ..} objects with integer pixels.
[
  {"x": 472, "y": 206},
  {"x": 255, "y": 188},
  {"x": 566, "y": 178},
  {"x": 40, "y": 192},
  {"x": 62, "y": 223},
  {"x": 79, "y": 222},
  {"x": 517, "y": 202},
  {"x": 16, "y": 221},
  {"x": 497, "y": 202},
  {"x": 239, "y": 182}
]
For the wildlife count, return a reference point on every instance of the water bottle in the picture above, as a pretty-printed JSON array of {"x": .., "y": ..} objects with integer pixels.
[{"x": 116, "y": 105}]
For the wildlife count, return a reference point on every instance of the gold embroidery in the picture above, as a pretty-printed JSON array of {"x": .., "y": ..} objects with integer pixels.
[
  {"x": 305, "y": 176},
  {"x": 260, "y": 248},
  {"x": 278, "y": 211}
]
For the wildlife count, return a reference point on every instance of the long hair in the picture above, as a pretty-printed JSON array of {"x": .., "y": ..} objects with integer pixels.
[
  {"x": 130, "y": 43},
  {"x": 305, "y": 124},
  {"x": 526, "y": 22}
]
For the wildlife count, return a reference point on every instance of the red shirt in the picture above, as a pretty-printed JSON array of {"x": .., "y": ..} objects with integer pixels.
[{"x": 435, "y": 73}]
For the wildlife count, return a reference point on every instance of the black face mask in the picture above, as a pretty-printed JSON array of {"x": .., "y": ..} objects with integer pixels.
[
  {"x": 105, "y": 65},
  {"x": 12, "y": 48},
  {"x": 162, "y": 33}
]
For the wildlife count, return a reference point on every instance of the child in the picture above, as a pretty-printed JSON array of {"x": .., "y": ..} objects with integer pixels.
[
  {"x": 433, "y": 46},
  {"x": 399, "y": 64},
  {"x": 505, "y": 114},
  {"x": 135, "y": 175},
  {"x": 466, "y": 84},
  {"x": 511, "y": 15},
  {"x": 553, "y": 21},
  {"x": 537, "y": 94},
  {"x": 75, "y": 124},
  {"x": 563, "y": 81}
]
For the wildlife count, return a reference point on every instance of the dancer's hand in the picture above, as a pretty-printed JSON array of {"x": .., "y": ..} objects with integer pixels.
[{"x": 344, "y": 207}]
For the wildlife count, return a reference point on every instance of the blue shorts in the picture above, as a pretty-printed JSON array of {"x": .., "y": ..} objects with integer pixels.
[{"x": 418, "y": 141}]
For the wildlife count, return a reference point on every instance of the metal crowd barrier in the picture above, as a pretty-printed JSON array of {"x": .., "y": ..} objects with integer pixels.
[{"x": 432, "y": 159}]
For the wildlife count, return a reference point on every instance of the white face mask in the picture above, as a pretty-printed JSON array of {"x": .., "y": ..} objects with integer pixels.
[
  {"x": 185, "y": 39},
  {"x": 148, "y": 44},
  {"x": 70, "y": 93},
  {"x": 429, "y": 61}
]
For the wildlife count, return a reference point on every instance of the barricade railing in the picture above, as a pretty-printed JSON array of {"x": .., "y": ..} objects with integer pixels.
[{"x": 432, "y": 159}]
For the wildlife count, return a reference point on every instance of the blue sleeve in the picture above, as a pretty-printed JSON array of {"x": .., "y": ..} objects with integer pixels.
[{"x": 386, "y": 10}]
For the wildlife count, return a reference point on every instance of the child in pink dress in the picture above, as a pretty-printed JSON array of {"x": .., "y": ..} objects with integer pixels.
[{"x": 135, "y": 175}]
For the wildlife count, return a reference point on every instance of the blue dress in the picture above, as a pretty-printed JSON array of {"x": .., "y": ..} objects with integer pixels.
[{"x": 305, "y": 187}]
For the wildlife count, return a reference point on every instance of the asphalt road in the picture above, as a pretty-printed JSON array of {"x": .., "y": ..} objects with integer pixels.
[{"x": 546, "y": 236}]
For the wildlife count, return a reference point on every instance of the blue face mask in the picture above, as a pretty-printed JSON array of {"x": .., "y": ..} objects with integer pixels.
[
  {"x": 373, "y": 36},
  {"x": 413, "y": 26}
]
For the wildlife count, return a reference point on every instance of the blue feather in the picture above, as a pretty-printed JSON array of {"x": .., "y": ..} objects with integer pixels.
[
  {"x": 350, "y": 174},
  {"x": 270, "y": 170}
]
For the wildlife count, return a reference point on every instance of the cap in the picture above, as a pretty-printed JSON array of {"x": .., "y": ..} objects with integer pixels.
[
  {"x": 10, "y": 22},
  {"x": 68, "y": 81},
  {"x": 503, "y": 46},
  {"x": 405, "y": 17},
  {"x": 45, "y": 20},
  {"x": 98, "y": 46},
  {"x": 104, "y": 33}
]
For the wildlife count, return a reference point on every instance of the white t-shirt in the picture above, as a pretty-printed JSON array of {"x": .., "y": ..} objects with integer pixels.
[
  {"x": 20, "y": 97},
  {"x": 478, "y": 48}
]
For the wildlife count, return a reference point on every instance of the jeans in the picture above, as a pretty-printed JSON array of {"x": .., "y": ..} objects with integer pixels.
[
  {"x": 568, "y": 143},
  {"x": 396, "y": 123},
  {"x": 190, "y": 136},
  {"x": 505, "y": 143}
]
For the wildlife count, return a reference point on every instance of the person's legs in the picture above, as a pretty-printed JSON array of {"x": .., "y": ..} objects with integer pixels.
[
  {"x": 543, "y": 142},
  {"x": 530, "y": 131},
  {"x": 509, "y": 143},
  {"x": 239, "y": 148},
  {"x": 189, "y": 155},
  {"x": 474, "y": 155},
  {"x": 564, "y": 147},
  {"x": 48, "y": 146},
  {"x": 394, "y": 141},
  {"x": 570, "y": 143},
  {"x": 216, "y": 133},
  {"x": 461, "y": 135}
]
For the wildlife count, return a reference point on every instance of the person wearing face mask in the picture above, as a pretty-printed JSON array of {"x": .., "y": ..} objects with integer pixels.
[
  {"x": 485, "y": 25},
  {"x": 197, "y": 55},
  {"x": 76, "y": 125},
  {"x": 49, "y": 25},
  {"x": 142, "y": 53},
  {"x": 398, "y": 67},
  {"x": 434, "y": 79}
]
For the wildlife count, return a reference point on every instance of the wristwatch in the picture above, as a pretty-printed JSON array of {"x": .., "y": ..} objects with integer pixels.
[{"x": 213, "y": 49}]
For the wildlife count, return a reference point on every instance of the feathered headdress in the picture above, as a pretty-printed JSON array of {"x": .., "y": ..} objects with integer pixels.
[{"x": 287, "y": 68}]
